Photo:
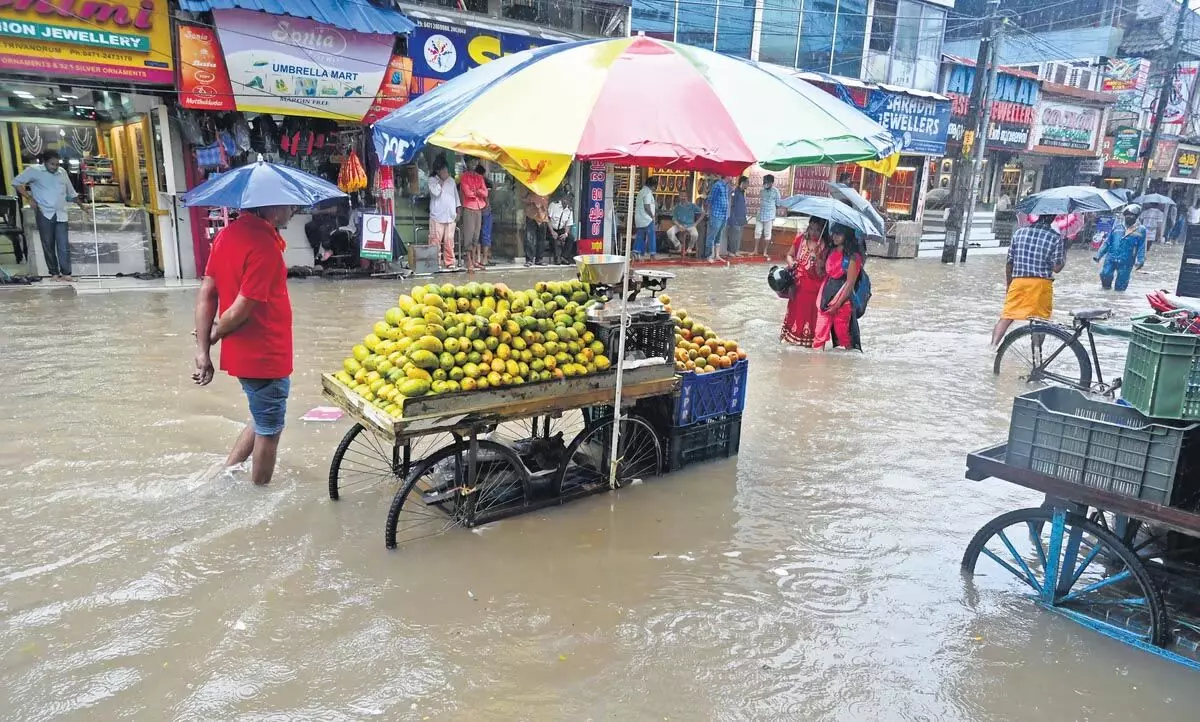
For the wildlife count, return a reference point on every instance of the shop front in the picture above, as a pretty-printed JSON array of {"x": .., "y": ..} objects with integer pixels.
[
  {"x": 444, "y": 47},
  {"x": 91, "y": 88},
  {"x": 920, "y": 123},
  {"x": 1183, "y": 174},
  {"x": 1005, "y": 171},
  {"x": 294, "y": 91}
]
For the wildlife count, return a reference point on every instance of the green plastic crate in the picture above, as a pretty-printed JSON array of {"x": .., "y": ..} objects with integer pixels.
[{"x": 1162, "y": 372}]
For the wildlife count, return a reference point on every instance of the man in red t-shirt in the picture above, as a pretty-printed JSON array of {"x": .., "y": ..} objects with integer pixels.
[{"x": 245, "y": 291}]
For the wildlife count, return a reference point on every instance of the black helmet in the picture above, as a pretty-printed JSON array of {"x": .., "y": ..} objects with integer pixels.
[{"x": 781, "y": 280}]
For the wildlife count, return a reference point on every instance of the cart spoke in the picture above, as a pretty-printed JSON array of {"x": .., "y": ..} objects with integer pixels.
[
  {"x": 1087, "y": 562},
  {"x": 1029, "y": 575},
  {"x": 1019, "y": 575},
  {"x": 1095, "y": 586}
]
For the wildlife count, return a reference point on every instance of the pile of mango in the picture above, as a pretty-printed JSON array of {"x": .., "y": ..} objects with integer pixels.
[
  {"x": 446, "y": 339},
  {"x": 697, "y": 347}
]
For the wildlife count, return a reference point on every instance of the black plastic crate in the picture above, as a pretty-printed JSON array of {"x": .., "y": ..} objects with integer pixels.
[
  {"x": 1062, "y": 433},
  {"x": 648, "y": 336},
  {"x": 1189, "y": 277},
  {"x": 717, "y": 438}
]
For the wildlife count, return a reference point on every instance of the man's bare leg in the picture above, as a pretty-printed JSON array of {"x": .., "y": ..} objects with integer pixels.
[
  {"x": 1001, "y": 328},
  {"x": 263, "y": 467},
  {"x": 242, "y": 447}
]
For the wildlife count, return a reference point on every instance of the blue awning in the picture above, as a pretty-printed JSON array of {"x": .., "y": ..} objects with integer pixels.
[{"x": 358, "y": 15}]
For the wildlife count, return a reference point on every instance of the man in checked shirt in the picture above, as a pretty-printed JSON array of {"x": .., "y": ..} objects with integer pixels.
[{"x": 1036, "y": 254}]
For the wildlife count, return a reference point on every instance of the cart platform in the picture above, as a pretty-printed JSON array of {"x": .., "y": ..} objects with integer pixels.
[
  {"x": 462, "y": 411},
  {"x": 989, "y": 463}
]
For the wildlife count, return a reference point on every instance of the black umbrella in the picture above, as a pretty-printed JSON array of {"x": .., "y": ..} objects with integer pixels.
[
  {"x": 1070, "y": 199},
  {"x": 832, "y": 210}
]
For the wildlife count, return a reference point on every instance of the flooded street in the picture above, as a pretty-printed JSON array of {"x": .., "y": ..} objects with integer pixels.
[{"x": 813, "y": 577}]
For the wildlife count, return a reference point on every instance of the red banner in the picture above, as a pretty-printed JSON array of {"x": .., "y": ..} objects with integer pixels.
[
  {"x": 393, "y": 91},
  {"x": 203, "y": 79}
]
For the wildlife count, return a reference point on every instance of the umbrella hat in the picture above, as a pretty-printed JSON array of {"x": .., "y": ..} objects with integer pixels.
[
  {"x": 262, "y": 184},
  {"x": 1070, "y": 199},
  {"x": 831, "y": 210},
  {"x": 696, "y": 110}
]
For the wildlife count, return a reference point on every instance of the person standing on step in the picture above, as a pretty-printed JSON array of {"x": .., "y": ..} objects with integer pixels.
[
  {"x": 537, "y": 216},
  {"x": 737, "y": 218},
  {"x": 764, "y": 225},
  {"x": 443, "y": 211},
  {"x": 645, "y": 220},
  {"x": 474, "y": 201},
  {"x": 718, "y": 217},
  {"x": 48, "y": 188}
]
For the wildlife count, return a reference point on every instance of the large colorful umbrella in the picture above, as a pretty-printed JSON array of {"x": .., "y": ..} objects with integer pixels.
[
  {"x": 631, "y": 101},
  {"x": 636, "y": 101}
]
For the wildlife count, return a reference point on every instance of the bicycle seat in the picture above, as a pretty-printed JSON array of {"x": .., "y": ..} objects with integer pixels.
[{"x": 1092, "y": 314}]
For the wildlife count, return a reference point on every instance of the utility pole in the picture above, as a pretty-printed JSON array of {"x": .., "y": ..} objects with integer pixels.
[
  {"x": 981, "y": 137},
  {"x": 963, "y": 175},
  {"x": 1164, "y": 97}
]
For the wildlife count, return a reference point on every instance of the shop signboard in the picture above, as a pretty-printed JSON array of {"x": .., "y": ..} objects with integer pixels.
[
  {"x": 376, "y": 237},
  {"x": 1065, "y": 126},
  {"x": 123, "y": 40},
  {"x": 591, "y": 237},
  {"x": 1183, "y": 169},
  {"x": 1012, "y": 107},
  {"x": 1164, "y": 156},
  {"x": 919, "y": 125},
  {"x": 203, "y": 78},
  {"x": 1124, "y": 147},
  {"x": 294, "y": 66},
  {"x": 442, "y": 51}
]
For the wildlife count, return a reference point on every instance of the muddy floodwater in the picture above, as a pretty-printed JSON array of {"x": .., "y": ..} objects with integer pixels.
[{"x": 813, "y": 577}]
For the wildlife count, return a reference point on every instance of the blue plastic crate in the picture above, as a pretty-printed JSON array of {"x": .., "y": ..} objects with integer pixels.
[{"x": 706, "y": 396}]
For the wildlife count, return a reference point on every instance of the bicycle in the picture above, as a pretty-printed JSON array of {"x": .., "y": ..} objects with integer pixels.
[
  {"x": 1023, "y": 351},
  {"x": 1073, "y": 369}
]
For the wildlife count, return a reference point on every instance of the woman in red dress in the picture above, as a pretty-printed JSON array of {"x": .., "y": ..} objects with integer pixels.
[{"x": 807, "y": 261}]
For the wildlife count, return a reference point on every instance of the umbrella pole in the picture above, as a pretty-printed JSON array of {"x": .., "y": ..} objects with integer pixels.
[
  {"x": 616, "y": 435},
  {"x": 95, "y": 230}
]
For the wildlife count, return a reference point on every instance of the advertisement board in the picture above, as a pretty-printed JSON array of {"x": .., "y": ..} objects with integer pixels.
[
  {"x": 376, "y": 237},
  {"x": 294, "y": 66},
  {"x": 123, "y": 40},
  {"x": 591, "y": 232},
  {"x": 919, "y": 125},
  {"x": 203, "y": 79},
  {"x": 442, "y": 51}
]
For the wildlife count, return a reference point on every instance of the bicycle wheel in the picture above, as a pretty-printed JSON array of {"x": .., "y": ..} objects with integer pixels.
[
  {"x": 589, "y": 457},
  {"x": 364, "y": 459},
  {"x": 1043, "y": 354},
  {"x": 440, "y": 493}
]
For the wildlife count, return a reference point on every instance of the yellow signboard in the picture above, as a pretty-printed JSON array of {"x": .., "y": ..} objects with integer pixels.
[{"x": 125, "y": 40}]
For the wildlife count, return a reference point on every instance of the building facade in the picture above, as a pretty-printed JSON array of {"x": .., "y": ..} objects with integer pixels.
[{"x": 886, "y": 41}]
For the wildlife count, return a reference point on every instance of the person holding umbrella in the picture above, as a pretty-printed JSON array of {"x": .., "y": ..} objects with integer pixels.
[
  {"x": 1154, "y": 220},
  {"x": 807, "y": 261},
  {"x": 836, "y": 318},
  {"x": 1123, "y": 248},
  {"x": 243, "y": 303}
]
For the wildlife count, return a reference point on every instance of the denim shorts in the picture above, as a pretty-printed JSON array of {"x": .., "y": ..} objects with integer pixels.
[{"x": 268, "y": 403}]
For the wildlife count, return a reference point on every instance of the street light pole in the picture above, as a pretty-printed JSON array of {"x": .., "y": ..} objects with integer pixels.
[
  {"x": 963, "y": 174},
  {"x": 981, "y": 137},
  {"x": 1164, "y": 97}
]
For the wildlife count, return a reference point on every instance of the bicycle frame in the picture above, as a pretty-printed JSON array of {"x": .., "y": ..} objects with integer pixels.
[{"x": 1080, "y": 327}]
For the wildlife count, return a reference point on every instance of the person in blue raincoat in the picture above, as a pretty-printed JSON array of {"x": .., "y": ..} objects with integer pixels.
[{"x": 1124, "y": 249}]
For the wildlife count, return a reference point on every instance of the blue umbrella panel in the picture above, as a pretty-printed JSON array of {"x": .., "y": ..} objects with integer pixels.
[{"x": 262, "y": 184}]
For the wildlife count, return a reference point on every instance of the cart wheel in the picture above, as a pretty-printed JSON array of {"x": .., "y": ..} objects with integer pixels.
[
  {"x": 1024, "y": 355},
  {"x": 1074, "y": 567},
  {"x": 589, "y": 455},
  {"x": 440, "y": 493},
  {"x": 568, "y": 423},
  {"x": 364, "y": 459}
]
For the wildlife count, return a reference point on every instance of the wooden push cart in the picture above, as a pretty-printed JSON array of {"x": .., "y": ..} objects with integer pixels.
[
  {"x": 1125, "y": 567},
  {"x": 471, "y": 458}
]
